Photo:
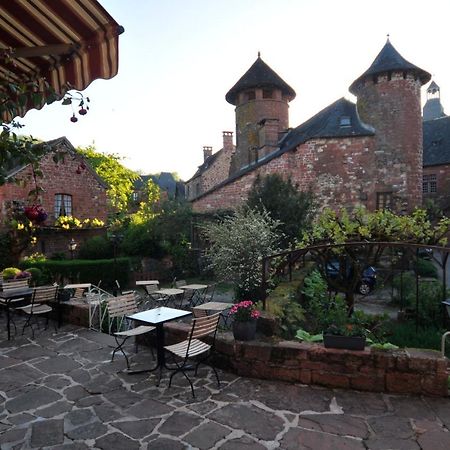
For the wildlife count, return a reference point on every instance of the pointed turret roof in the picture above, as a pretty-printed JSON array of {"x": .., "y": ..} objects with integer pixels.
[
  {"x": 389, "y": 60},
  {"x": 260, "y": 75},
  {"x": 433, "y": 87}
]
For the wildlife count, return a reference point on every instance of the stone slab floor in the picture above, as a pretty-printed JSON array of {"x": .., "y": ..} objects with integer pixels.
[{"x": 60, "y": 391}]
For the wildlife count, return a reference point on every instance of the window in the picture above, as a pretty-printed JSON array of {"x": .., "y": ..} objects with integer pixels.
[
  {"x": 267, "y": 93},
  {"x": 250, "y": 95},
  {"x": 63, "y": 205},
  {"x": 429, "y": 184},
  {"x": 345, "y": 121},
  {"x": 384, "y": 200},
  {"x": 197, "y": 188},
  {"x": 135, "y": 196}
]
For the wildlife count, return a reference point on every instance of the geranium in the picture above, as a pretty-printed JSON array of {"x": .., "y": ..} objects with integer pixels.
[
  {"x": 22, "y": 274},
  {"x": 244, "y": 311}
]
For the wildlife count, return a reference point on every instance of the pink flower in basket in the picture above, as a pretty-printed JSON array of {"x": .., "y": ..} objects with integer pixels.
[{"x": 244, "y": 311}]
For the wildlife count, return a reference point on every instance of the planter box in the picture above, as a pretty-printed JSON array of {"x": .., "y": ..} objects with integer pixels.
[{"x": 345, "y": 342}]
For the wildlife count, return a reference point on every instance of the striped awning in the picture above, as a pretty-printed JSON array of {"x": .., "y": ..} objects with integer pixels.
[{"x": 68, "y": 43}]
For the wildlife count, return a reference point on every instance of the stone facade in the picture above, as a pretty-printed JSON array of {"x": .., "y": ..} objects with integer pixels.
[
  {"x": 367, "y": 154},
  {"x": 441, "y": 175},
  {"x": 86, "y": 190}
]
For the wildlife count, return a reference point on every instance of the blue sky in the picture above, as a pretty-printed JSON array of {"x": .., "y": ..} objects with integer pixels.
[{"x": 178, "y": 59}]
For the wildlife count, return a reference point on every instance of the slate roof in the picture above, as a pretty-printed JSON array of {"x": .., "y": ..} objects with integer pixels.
[
  {"x": 436, "y": 141},
  {"x": 388, "y": 60},
  {"x": 326, "y": 124},
  {"x": 260, "y": 75},
  {"x": 164, "y": 181}
]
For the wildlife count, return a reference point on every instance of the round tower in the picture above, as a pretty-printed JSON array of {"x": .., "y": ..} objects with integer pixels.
[
  {"x": 262, "y": 101},
  {"x": 388, "y": 98}
]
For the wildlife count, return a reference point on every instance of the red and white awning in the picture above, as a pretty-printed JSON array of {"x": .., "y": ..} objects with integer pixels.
[{"x": 69, "y": 43}]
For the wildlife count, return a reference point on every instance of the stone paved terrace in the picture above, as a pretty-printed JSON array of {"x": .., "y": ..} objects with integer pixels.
[{"x": 62, "y": 392}]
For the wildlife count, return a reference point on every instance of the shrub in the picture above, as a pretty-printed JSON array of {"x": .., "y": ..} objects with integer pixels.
[
  {"x": 97, "y": 247},
  {"x": 36, "y": 275},
  {"x": 237, "y": 246},
  {"x": 84, "y": 271},
  {"x": 35, "y": 257},
  {"x": 283, "y": 304},
  {"x": 426, "y": 268},
  {"x": 10, "y": 272}
]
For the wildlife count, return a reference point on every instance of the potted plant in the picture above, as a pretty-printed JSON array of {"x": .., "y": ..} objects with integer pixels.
[
  {"x": 347, "y": 333},
  {"x": 245, "y": 315}
]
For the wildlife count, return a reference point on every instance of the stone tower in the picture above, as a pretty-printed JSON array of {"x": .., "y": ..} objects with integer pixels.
[
  {"x": 262, "y": 101},
  {"x": 433, "y": 108},
  {"x": 388, "y": 94}
]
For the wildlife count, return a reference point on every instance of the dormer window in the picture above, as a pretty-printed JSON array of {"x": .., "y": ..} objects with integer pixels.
[{"x": 345, "y": 121}]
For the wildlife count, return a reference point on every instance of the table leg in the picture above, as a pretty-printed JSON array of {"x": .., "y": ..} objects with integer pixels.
[{"x": 8, "y": 323}]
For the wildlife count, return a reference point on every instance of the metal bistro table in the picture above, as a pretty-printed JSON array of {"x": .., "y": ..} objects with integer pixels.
[
  {"x": 157, "y": 317},
  {"x": 10, "y": 295},
  {"x": 168, "y": 294},
  {"x": 197, "y": 290}
]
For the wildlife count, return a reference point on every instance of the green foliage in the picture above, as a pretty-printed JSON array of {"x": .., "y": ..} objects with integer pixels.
[
  {"x": 283, "y": 304},
  {"x": 36, "y": 275},
  {"x": 426, "y": 268},
  {"x": 119, "y": 179},
  {"x": 84, "y": 271},
  {"x": 384, "y": 347},
  {"x": 404, "y": 334},
  {"x": 303, "y": 335},
  {"x": 35, "y": 257},
  {"x": 237, "y": 245},
  {"x": 10, "y": 272},
  {"x": 285, "y": 203},
  {"x": 97, "y": 247},
  {"x": 430, "y": 297},
  {"x": 147, "y": 208},
  {"x": 5, "y": 255}
]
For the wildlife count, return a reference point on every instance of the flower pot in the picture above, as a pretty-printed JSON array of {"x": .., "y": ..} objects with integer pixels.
[
  {"x": 345, "y": 342},
  {"x": 244, "y": 331}
]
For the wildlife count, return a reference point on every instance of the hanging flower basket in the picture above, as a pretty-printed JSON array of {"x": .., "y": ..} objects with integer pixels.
[{"x": 36, "y": 213}]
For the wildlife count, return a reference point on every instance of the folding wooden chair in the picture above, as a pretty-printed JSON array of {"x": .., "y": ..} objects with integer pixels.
[
  {"x": 118, "y": 309},
  {"x": 40, "y": 305},
  {"x": 194, "y": 347}
]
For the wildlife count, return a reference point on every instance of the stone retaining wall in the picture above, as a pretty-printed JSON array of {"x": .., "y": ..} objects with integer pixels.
[{"x": 406, "y": 371}]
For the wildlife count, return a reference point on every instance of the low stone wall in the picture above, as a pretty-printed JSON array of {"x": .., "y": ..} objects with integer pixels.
[{"x": 406, "y": 371}]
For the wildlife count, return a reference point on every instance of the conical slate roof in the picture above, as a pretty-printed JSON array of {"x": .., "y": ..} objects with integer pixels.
[
  {"x": 433, "y": 87},
  {"x": 260, "y": 75},
  {"x": 388, "y": 60}
]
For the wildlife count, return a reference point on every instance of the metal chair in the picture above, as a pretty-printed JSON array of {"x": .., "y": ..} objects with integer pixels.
[
  {"x": 208, "y": 295},
  {"x": 118, "y": 309},
  {"x": 152, "y": 298},
  {"x": 11, "y": 285},
  {"x": 194, "y": 347},
  {"x": 39, "y": 306}
]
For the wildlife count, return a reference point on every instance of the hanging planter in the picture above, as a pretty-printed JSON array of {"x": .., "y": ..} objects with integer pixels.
[{"x": 36, "y": 213}]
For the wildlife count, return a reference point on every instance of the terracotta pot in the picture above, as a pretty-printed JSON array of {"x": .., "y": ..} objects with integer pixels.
[
  {"x": 244, "y": 331},
  {"x": 344, "y": 342}
]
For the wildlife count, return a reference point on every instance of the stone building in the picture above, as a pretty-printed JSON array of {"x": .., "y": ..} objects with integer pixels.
[
  {"x": 369, "y": 153},
  {"x": 69, "y": 188}
]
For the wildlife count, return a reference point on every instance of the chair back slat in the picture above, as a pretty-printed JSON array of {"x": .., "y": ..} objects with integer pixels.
[
  {"x": 44, "y": 294},
  {"x": 122, "y": 306},
  {"x": 202, "y": 326},
  {"x": 150, "y": 288},
  {"x": 15, "y": 284},
  {"x": 199, "y": 312}
]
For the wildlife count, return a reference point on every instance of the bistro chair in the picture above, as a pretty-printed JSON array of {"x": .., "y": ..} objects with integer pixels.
[
  {"x": 118, "y": 310},
  {"x": 193, "y": 347},
  {"x": 208, "y": 295},
  {"x": 152, "y": 299},
  {"x": 40, "y": 306},
  {"x": 11, "y": 286},
  {"x": 119, "y": 289}
]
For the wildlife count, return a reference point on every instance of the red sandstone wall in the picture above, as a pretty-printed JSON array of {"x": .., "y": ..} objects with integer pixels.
[
  {"x": 392, "y": 107},
  {"x": 442, "y": 196},
  {"x": 339, "y": 172},
  {"x": 88, "y": 195}
]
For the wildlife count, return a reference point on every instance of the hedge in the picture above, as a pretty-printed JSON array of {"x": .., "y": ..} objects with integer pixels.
[{"x": 84, "y": 270}]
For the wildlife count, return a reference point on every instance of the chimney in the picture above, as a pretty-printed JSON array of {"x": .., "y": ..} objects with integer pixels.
[
  {"x": 228, "y": 141},
  {"x": 207, "y": 152}
]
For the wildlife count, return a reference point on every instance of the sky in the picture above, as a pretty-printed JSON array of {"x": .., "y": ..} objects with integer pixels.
[{"x": 178, "y": 59}]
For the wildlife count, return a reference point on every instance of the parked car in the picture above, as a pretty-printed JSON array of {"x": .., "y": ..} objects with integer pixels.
[{"x": 368, "y": 279}]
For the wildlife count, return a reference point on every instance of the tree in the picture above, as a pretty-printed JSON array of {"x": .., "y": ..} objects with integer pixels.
[
  {"x": 119, "y": 179},
  {"x": 363, "y": 227},
  {"x": 285, "y": 203},
  {"x": 237, "y": 245}
]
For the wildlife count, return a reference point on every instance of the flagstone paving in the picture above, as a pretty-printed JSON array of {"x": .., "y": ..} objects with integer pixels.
[{"x": 61, "y": 391}]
